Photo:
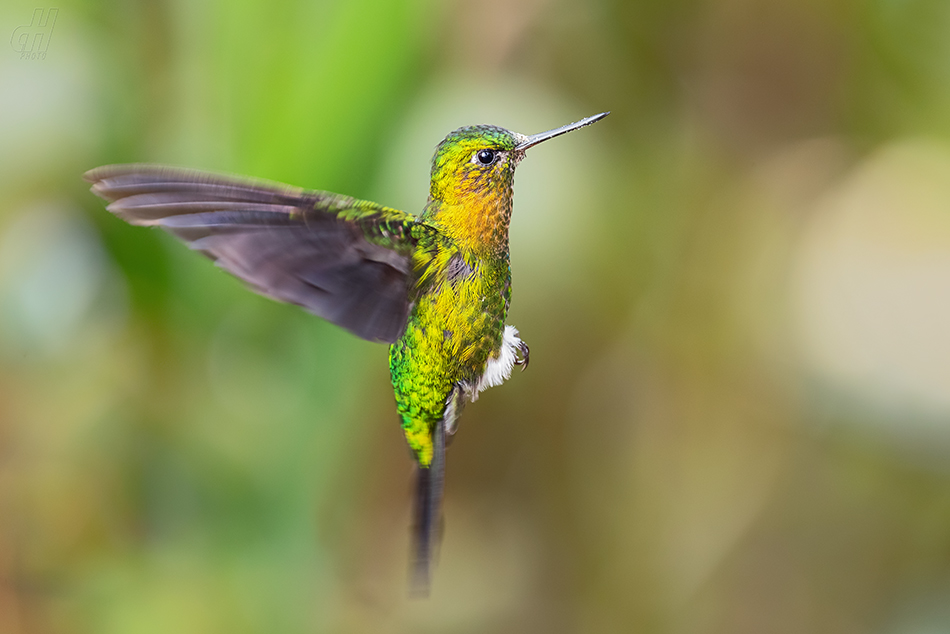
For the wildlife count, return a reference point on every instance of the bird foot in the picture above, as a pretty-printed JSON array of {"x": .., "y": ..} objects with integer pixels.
[{"x": 523, "y": 359}]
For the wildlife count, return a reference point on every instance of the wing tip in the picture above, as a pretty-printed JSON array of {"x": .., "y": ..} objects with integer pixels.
[
  {"x": 142, "y": 173},
  {"x": 113, "y": 170}
]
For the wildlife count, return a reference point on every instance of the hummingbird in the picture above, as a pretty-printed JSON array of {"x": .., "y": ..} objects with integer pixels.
[{"x": 436, "y": 287}]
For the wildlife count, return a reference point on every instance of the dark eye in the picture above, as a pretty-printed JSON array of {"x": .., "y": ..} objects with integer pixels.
[{"x": 485, "y": 157}]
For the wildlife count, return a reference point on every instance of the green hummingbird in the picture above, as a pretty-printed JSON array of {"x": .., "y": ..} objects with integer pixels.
[{"x": 436, "y": 287}]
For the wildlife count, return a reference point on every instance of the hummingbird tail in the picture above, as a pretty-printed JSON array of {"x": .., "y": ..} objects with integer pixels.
[{"x": 428, "y": 515}]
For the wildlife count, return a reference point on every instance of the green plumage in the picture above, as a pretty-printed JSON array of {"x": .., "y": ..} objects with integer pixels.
[
  {"x": 464, "y": 288},
  {"x": 452, "y": 330},
  {"x": 436, "y": 287}
]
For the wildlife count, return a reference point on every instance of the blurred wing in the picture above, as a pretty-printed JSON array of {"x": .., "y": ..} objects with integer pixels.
[{"x": 346, "y": 260}]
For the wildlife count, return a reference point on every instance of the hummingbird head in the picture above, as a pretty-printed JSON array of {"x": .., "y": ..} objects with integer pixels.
[
  {"x": 474, "y": 162},
  {"x": 473, "y": 173}
]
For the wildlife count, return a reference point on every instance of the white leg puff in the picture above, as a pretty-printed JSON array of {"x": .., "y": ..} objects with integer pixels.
[{"x": 499, "y": 365}]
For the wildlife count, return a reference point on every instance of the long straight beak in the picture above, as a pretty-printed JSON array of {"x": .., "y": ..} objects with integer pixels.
[{"x": 534, "y": 139}]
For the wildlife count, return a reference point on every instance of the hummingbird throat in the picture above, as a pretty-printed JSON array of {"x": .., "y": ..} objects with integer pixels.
[{"x": 475, "y": 217}]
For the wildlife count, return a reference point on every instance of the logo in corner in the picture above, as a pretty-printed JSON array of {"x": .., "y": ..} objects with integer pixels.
[{"x": 32, "y": 41}]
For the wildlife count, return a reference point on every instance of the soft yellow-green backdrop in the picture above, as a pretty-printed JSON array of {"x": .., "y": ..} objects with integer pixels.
[{"x": 736, "y": 290}]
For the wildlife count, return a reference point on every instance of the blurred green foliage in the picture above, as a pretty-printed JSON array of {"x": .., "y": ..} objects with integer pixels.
[{"x": 735, "y": 289}]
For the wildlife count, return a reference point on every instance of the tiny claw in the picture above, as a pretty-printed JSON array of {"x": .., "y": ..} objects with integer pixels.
[{"x": 523, "y": 360}]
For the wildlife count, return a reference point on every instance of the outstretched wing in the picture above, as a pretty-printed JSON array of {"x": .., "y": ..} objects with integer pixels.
[{"x": 346, "y": 260}]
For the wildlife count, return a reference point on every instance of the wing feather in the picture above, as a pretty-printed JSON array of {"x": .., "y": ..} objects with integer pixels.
[{"x": 346, "y": 260}]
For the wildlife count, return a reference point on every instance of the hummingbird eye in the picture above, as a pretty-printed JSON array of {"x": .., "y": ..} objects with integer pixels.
[{"x": 486, "y": 157}]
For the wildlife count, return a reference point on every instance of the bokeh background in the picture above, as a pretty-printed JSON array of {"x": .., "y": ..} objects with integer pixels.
[{"x": 736, "y": 290}]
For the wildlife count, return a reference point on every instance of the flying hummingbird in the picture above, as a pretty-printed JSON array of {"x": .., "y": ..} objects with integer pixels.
[{"x": 436, "y": 287}]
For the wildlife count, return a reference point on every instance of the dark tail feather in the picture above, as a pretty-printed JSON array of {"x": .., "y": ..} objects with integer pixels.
[{"x": 428, "y": 515}]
